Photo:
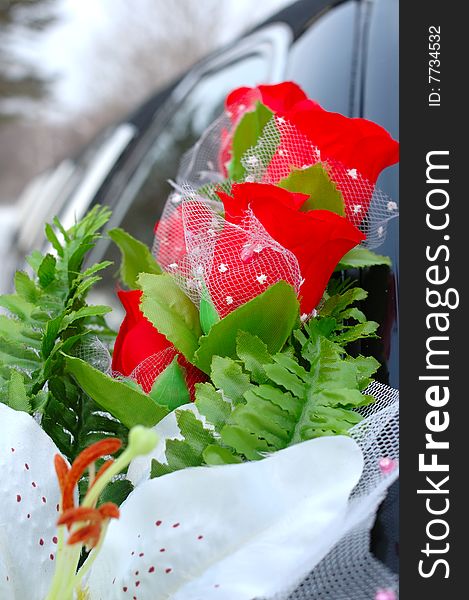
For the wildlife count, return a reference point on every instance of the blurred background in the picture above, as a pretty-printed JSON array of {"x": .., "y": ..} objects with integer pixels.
[{"x": 69, "y": 68}]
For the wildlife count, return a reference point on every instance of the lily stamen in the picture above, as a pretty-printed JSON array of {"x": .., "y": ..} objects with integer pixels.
[
  {"x": 87, "y": 457},
  {"x": 104, "y": 467},
  {"x": 88, "y": 523}
]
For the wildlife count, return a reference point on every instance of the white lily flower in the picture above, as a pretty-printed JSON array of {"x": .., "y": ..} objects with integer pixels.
[{"x": 230, "y": 532}]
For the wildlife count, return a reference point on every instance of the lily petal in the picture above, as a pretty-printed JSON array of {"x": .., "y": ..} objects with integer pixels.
[
  {"x": 232, "y": 532},
  {"x": 29, "y": 501}
]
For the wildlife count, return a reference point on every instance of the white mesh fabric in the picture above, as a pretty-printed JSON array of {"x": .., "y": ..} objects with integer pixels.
[
  {"x": 367, "y": 207},
  {"x": 92, "y": 350},
  {"x": 350, "y": 571},
  {"x": 269, "y": 162},
  {"x": 148, "y": 370},
  {"x": 210, "y": 257},
  {"x": 201, "y": 163}
]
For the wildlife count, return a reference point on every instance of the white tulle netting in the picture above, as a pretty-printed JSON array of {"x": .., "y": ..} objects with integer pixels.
[
  {"x": 349, "y": 571},
  {"x": 209, "y": 257},
  {"x": 281, "y": 148},
  {"x": 93, "y": 351}
]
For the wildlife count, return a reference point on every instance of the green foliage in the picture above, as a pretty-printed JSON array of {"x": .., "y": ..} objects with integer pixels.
[
  {"x": 188, "y": 452},
  {"x": 168, "y": 308},
  {"x": 346, "y": 323},
  {"x": 360, "y": 257},
  {"x": 170, "y": 388},
  {"x": 124, "y": 402},
  {"x": 260, "y": 401},
  {"x": 73, "y": 420},
  {"x": 136, "y": 257},
  {"x": 316, "y": 183},
  {"x": 48, "y": 317},
  {"x": 116, "y": 491},
  {"x": 17, "y": 396},
  {"x": 208, "y": 313},
  {"x": 271, "y": 316},
  {"x": 246, "y": 136}
]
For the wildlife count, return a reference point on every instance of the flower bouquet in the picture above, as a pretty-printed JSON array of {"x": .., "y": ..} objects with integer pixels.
[{"x": 233, "y": 445}]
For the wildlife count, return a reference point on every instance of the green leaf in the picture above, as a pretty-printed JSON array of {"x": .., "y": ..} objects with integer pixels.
[
  {"x": 17, "y": 305},
  {"x": 54, "y": 240},
  {"x": 85, "y": 312},
  {"x": 254, "y": 354},
  {"x": 316, "y": 183},
  {"x": 170, "y": 388},
  {"x": 227, "y": 375},
  {"x": 124, "y": 403},
  {"x": 270, "y": 316},
  {"x": 15, "y": 330},
  {"x": 18, "y": 355},
  {"x": 246, "y": 135},
  {"x": 193, "y": 431},
  {"x": 59, "y": 226},
  {"x": 334, "y": 305},
  {"x": 116, "y": 492},
  {"x": 360, "y": 257},
  {"x": 17, "y": 396},
  {"x": 95, "y": 268},
  {"x": 159, "y": 469},
  {"x": 283, "y": 377},
  {"x": 34, "y": 260},
  {"x": 211, "y": 405},
  {"x": 46, "y": 271},
  {"x": 365, "y": 367},
  {"x": 246, "y": 443},
  {"x": 208, "y": 313},
  {"x": 25, "y": 287},
  {"x": 357, "y": 332},
  {"x": 50, "y": 335},
  {"x": 217, "y": 455},
  {"x": 173, "y": 314},
  {"x": 136, "y": 257}
]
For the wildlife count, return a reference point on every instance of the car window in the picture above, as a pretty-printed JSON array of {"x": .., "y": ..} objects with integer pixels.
[
  {"x": 148, "y": 189},
  {"x": 321, "y": 60}
]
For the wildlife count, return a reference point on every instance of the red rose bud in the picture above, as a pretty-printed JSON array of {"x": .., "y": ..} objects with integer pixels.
[
  {"x": 318, "y": 239},
  {"x": 143, "y": 353},
  {"x": 357, "y": 150},
  {"x": 170, "y": 240}
]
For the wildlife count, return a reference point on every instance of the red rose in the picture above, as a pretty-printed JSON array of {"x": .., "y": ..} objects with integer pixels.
[
  {"x": 170, "y": 241},
  {"x": 318, "y": 239},
  {"x": 141, "y": 352},
  {"x": 357, "y": 143},
  {"x": 356, "y": 150}
]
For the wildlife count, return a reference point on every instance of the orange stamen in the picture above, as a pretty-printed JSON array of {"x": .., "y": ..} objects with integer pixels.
[
  {"x": 82, "y": 462},
  {"x": 104, "y": 467},
  {"x": 109, "y": 510},
  {"x": 89, "y": 535},
  {"x": 79, "y": 514},
  {"x": 61, "y": 468}
]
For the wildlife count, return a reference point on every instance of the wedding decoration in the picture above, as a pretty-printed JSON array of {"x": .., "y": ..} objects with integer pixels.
[{"x": 252, "y": 443}]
